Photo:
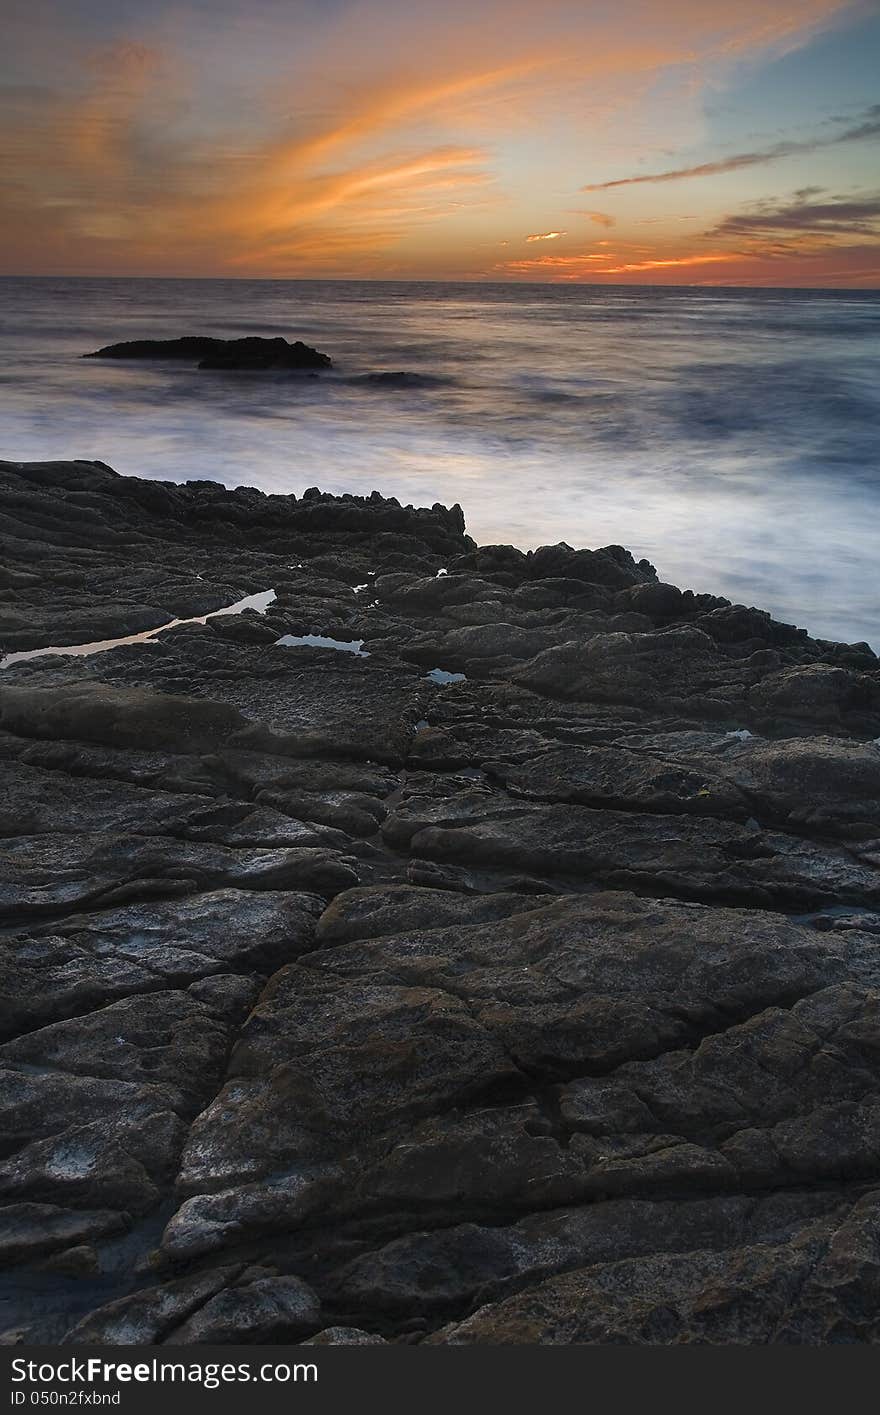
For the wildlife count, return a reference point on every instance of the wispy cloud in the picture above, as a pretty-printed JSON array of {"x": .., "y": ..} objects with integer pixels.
[
  {"x": 593, "y": 264},
  {"x": 834, "y": 217},
  {"x": 547, "y": 236},
  {"x": 710, "y": 258},
  {"x": 601, "y": 218},
  {"x": 551, "y": 263},
  {"x": 869, "y": 127}
]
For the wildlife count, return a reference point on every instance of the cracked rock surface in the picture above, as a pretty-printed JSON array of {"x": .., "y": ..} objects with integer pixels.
[{"x": 343, "y": 1005}]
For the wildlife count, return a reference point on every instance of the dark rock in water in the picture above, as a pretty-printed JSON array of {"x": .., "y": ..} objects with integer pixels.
[
  {"x": 248, "y": 353},
  {"x": 252, "y": 353},
  {"x": 340, "y": 1005},
  {"x": 398, "y": 379},
  {"x": 190, "y": 346}
]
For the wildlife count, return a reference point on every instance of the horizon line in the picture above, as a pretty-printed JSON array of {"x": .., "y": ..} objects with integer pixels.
[{"x": 447, "y": 280}]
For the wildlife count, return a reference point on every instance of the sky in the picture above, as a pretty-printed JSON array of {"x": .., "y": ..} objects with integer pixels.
[{"x": 698, "y": 142}]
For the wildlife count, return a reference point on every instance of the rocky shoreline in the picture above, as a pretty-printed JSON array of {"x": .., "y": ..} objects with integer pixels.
[{"x": 343, "y": 1004}]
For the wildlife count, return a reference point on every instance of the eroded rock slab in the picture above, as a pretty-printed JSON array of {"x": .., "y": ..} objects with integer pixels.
[
  {"x": 819, "y": 1286},
  {"x": 342, "y": 1003}
]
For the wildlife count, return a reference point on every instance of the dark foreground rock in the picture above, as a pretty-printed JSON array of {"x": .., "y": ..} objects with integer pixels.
[
  {"x": 343, "y": 1003},
  {"x": 248, "y": 353}
]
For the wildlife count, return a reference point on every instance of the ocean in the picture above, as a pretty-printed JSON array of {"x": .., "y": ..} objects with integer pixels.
[{"x": 731, "y": 436}]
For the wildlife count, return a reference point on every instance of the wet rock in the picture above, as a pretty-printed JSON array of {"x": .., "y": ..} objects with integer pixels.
[
  {"x": 92, "y": 959},
  {"x": 492, "y": 560},
  {"x": 243, "y": 629},
  {"x": 455, "y": 1013},
  {"x": 56, "y": 874},
  {"x": 821, "y": 694},
  {"x": 145, "y": 1318},
  {"x": 660, "y": 973},
  {"x": 553, "y": 592},
  {"x": 323, "y": 1065},
  {"x": 818, "y": 1287},
  {"x": 385, "y": 909},
  {"x": 168, "y": 1040},
  {"x": 211, "y": 1222},
  {"x": 36, "y": 802},
  {"x": 611, "y": 565},
  {"x": 82, "y": 1261},
  {"x": 735, "y": 624},
  {"x": 659, "y": 601},
  {"x": 820, "y": 784},
  {"x": 469, "y": 1263},
  {"x": 118, "y": 717},
  {"x": 29, "y": 1229},
  {"x": 95, "y": 1108},
  {"x": 345, "y": 1336},
  {"x": 619, "y": 667},
  {"x": 796, "y": 1099},
  {"x": 272, "y": 1309},
  {"x": 686, "y": 855},
  {"x": 504, "y": 1158},
  {"x": 433, "y": 594},
  {"x": 615, "y": 777},
  {"x": 462, "y": 647},
  {"x": 84, "y": 1143}
]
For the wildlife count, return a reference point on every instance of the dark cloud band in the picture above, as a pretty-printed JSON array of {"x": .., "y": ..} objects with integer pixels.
[{"x": 868, "y": 127}]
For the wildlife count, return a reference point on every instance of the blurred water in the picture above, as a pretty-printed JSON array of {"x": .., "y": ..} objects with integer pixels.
[{"x": 731, "y": 436}]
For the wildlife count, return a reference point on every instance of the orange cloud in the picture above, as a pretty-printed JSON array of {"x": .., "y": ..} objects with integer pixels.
[
  {"x": 388, "y": 104},
  {"x": 601, "y": 218},
  {"x": 356, "y": 212},
  {"x": 550, "y": 262},
  {"x": 587, "y": 266},
  {"x": 715, "y": 258},
  {"x": 269, "y": 143},
  {"x": 554, "y": 268}
]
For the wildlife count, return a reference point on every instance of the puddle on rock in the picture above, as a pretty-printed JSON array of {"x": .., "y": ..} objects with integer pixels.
[
  {"x": 318, "y": 641},
  {"x": 260, "y": 602},
  {"x": 440, "y": 675}
]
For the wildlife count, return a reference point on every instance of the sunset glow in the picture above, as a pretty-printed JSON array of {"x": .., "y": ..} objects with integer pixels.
[{"x": 649, "y": 141}]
